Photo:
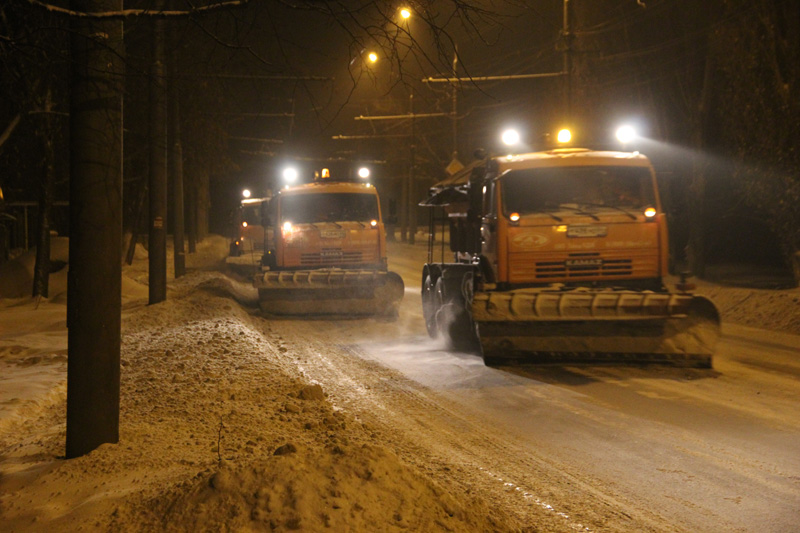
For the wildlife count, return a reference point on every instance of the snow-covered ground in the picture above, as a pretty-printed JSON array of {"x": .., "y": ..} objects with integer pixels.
[
  {"x": 218, "y": 431},
  {"x": 223, "y": 427}
]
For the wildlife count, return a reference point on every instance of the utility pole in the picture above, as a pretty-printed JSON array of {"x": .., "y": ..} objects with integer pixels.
[
  {"x": 157, "y": 239},
  {"x": 412, "y": 209},
  {"x": 455, "y": 105},
  {"x": 567, "y": 31}
]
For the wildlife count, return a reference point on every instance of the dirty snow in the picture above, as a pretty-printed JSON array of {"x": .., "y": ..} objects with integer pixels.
[
  {"x": 218, "y": 431},
  {"x": 220, "y": 428}
]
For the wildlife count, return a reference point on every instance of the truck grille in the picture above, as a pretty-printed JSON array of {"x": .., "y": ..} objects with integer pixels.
[
  {"x": 586, "y": 266},
  {"x": 331, "y": 257}
]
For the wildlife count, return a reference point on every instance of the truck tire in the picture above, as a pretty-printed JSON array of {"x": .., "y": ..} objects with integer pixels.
[
  {"x": 429, "y": 306},
  {"x": 453, "y": 321}
]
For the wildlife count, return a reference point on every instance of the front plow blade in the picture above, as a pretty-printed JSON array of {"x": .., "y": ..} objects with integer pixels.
[
  {"x": 605, "y": 327},
  {"x": 330, "y": 292}
]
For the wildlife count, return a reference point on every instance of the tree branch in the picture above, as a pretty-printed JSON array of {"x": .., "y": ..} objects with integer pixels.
[
  {"x": 134, "y": 13},
  {"x": 9, "y": 130}
]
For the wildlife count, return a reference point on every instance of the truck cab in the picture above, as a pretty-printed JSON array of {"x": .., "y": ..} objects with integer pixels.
[
  {"x": 328, "y": 253},
  {"x": 574, "y": 217},
  {"x": 328, "y": 224}
]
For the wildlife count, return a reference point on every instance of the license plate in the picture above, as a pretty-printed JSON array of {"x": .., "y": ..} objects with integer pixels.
[
  {"x": 331, "y": 234},
  {"x": 587, "y": 231}
]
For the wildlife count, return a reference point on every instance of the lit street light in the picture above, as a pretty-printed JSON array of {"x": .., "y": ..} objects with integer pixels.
[
  {"x": 405, "y": 13},
  {"x": 246, "y": 193}
]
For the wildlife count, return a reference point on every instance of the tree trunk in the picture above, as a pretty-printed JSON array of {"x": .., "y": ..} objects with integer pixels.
[
  {"x": 203, "y": 203},
  {"x": 696, "y": 254},
  {"x": 191, "y": 219},
  {"x": 41, "y": 270},
  {"x": 95, "y": 221},
  {"x": 157, "y": 241},
  {"x": 796, "y": 267},
  {"x": 137, "y": 217},
  {"x": 176, "y": 167}
]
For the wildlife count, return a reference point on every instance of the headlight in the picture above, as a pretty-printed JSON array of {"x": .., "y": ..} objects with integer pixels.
[{"x": 626, "y": 134}]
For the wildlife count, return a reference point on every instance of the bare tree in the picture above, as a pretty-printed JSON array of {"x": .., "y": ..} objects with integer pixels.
[{"x": 760, "y": 109}]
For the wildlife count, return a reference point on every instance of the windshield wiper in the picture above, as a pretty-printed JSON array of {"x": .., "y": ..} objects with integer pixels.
[
  {"x": 633, "y": 217},
  {"x": 545, "y": 212},
  {"x": 578, "y": 210}
]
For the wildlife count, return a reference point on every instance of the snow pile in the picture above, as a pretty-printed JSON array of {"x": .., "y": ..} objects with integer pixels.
[
  {"x": 270, "y": 452},
  {"x": 777, "y": 310},
  {"x": 16, "y": 276},
  {"x": 338, "y": 488}
]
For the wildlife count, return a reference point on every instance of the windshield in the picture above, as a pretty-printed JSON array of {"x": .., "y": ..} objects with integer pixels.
[
  {"x": 251, "y": 213},
  {"x": 329, "y": 207},
  {"x": 544, "y": 189}
]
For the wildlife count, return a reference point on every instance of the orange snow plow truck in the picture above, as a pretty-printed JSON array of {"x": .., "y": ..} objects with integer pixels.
[
  {"x": 561, "y": 256},
  {"x": 326, "y": 253}
]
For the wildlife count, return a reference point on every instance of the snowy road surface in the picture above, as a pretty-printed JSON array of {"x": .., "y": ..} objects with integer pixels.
[
  {"x": 666, "y": 448},
  {"x": 205, "y": 377}
]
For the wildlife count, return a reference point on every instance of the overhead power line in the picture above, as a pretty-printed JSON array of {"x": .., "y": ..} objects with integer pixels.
[
  {"x": 256, "y": 139},
  {"x": 495, "y": 78},
  {"x": 356, "y": 137},
  {"x": 398, "y": 117},
  {"x": 262, "y": 77},
  {"x": 255, "y": 115}
]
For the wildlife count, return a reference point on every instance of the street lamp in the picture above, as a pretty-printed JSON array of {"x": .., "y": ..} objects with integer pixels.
[
  {"x": 246, "y": 193},
  {"x": 373, "y": 57},
  {"x": 405, "y": 13}
]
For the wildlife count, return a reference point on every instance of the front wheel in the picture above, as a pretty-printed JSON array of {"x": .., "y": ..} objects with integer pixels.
[{"x": 453, "y": 319}]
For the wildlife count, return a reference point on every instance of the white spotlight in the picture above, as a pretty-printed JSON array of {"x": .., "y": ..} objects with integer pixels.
[
  {"x": 626, "y": 134},
  {"x": 510, "y": 137},
  {"x": 290, "y": 175}
]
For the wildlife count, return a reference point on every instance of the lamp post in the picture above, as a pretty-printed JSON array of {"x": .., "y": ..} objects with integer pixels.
[{"x": 412, "y": 209}]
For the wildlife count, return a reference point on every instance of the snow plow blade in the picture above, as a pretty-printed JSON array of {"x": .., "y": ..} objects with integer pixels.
[
  {"x": 596, "y": 327},
  {"x": 329, "y": 292}
]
